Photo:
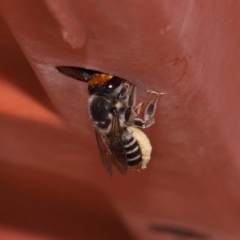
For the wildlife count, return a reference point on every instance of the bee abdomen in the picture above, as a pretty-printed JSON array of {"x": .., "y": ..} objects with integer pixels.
[{"x": 133, "y": 152}]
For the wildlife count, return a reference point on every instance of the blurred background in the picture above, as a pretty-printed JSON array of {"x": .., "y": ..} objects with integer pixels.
[{"x": 52, "y": 182}]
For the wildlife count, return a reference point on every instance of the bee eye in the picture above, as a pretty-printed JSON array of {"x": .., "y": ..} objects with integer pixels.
[{"x": 113, "y": 83}]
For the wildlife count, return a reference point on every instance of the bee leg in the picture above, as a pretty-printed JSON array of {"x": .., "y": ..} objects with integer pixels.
[
  {"x": 150, "y": 109},
  {"x": 132, "y": 96},
  {"x": 125, "y": 92},
  {"x": 130, "y": 112},
  {"x": 149, "y": 113},
  {"x": 138, "y": 108}
]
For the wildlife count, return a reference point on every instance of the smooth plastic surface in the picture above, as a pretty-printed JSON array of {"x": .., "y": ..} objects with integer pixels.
[{"x": 52, "y": 183}]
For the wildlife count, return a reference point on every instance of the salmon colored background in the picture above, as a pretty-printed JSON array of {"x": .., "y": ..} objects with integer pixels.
[{"x": 52, "y": 183}]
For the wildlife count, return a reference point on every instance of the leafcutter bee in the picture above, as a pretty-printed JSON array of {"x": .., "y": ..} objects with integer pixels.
[{"x": 116, "y": 120}]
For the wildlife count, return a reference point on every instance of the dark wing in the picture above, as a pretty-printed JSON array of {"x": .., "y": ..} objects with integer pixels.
[
  {"x": 104, "y": 151},
  {"x": 116, "y": 146},
  {"x": 82, "y": 74},
  {"x": 112, "y": 149}
]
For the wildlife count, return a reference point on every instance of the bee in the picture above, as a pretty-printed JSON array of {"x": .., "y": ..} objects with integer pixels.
[{"x": 115, "y": 116}]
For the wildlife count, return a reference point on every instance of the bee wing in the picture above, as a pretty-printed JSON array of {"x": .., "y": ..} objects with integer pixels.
[
  {"x": 112, "y": 149},
  {"x": 78, "y": 73},
  {"x": 119, "y": 157},
  {"x": 104, "y": 150}
]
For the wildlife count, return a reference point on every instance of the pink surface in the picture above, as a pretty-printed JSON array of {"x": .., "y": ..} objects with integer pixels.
[{"x": 52, "y": 183}]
